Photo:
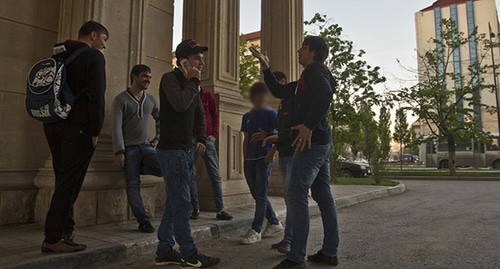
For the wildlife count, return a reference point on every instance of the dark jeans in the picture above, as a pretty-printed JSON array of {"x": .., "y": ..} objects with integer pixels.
[
  {"x": 257, "y": 174},
  {"x": 212, "y": 163},
  {"x": 72, "y": 149},
  {"x": 176, "y": 166},
  {"x": 311, "y": 170},
  {"x": 139, "y": 160},
  {"x": 285, "y": 174}
]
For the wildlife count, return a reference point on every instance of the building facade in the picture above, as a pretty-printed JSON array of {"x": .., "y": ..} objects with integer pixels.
[
  {"x": 467, "y": 15},
  {"x": 140, "y": 32}
]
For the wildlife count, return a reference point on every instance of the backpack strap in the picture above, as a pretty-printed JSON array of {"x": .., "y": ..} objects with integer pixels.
[{"x": 75, "y": 54}]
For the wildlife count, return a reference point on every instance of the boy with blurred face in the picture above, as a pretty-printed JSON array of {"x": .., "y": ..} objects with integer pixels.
[
  {"x": 134, "y": 151},
  {"x": 182, "y": 116},
  {"x": 261, "y": 119},
  {"x": 312, "y": 95},
  {"x": 72, "y": 141}
]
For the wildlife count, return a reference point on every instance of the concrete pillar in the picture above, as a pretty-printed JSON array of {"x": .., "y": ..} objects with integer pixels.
[
  {"x": 215, "y": 23},
  {"x": 140, "y": 32},
  {"x": 282, "y": 33},
  {"x": 29, "y": 29}
]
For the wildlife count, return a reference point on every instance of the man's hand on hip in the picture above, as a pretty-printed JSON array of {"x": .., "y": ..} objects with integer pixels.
[
  {"x": 303, "y": 140},
  {"x": 94, "y": 141},
  {"x": 200, "y": 149},
  {"x": 120, "y": 160}
]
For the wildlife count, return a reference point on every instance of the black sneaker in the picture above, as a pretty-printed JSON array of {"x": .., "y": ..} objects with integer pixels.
[
  {"x": 277, "y": 245},
  {"x": 282, "y": 247},
  {"x": 170, "y": 258},
  {"x": 322, "y": 258},
  {"x": 287, "y": 264},
  {"x": 195, "y": 214},
  {"x": 223, "y": 215},
  {"x": 146, "y": 227},
  {"x": 200, "y": 261}
]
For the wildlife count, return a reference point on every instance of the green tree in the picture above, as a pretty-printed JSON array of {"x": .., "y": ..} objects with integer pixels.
[
  {"x": 384, "y": 129},
  {"x": 448, "y": 102},
  {"x": 413, "y": 142},
  {"x": 249, "y": 68},
  {"x": 401, "y": 133},
  {"x": 356, "y": 80}
]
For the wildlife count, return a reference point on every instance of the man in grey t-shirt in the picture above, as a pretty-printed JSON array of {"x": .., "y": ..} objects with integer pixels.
[{"x": 135, "y": 153}]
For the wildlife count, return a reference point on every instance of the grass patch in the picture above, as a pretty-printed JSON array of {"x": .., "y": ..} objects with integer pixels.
[
  {"x": 440, "y": 173},
  {"x": 365, "y": 181}
]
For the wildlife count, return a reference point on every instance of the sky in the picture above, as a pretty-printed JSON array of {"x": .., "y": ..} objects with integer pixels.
[{"x": 385, "y": 29}]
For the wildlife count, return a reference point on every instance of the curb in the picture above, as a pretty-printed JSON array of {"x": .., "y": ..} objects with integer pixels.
[
  {"x": 118, "y": 251},
  {"x": 448, "y": 178}
]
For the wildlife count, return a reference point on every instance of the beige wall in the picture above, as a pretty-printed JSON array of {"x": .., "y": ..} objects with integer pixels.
[
  {"x": 140, "y": 32},
  {"x": 28, "y": 30}
]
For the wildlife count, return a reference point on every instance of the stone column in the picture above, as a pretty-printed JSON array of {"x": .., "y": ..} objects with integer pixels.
[
  {"x": 140, "y": 32},
  {"x": 215, "y": 23},
  {"x": 282, "y": 33}
]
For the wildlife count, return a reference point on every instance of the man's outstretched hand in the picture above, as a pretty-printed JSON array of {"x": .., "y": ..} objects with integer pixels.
[{"x": 263, "y": 59}]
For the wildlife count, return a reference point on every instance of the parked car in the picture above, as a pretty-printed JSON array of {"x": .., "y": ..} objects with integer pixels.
[{"x": 353, "y": 169}]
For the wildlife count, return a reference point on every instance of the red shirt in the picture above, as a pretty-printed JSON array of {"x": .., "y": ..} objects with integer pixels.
[{"x": 211, "y": 113}]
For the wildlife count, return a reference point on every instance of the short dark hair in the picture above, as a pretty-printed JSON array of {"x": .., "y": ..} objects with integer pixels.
[
  {"x": 137, "y": 70},
  {"x": 92, "y": 26},
  {"x": 258, "y": 88},
  {"x": 279, "y": 75},
  {"x": 319, "y": 46}
]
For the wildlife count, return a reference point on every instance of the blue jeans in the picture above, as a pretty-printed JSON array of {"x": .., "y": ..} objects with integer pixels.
[
  {"x": 139, "y": 160},
  {"x": 212, "y": 163},
  {"x": 177, "y": 167},
  {"x": 285, "y": 173},
  {"x": 311, "y": 170},
  {"x": 257, "y": 174}
]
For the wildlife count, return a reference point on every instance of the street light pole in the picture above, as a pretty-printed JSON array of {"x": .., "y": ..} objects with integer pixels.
[{"x": 492, "y": 35}]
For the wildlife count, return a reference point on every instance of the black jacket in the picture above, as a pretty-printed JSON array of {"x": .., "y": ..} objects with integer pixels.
[
  {"x": 86, "y": 77},
  {"x": 181, "y": 112},
  {"x": 313, "y": 96}
]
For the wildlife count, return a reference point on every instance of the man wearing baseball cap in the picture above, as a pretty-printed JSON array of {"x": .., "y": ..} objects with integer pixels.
[{"x": 181, "y": 117}]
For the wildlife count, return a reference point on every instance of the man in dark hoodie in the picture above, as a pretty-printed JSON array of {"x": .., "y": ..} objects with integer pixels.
[
  {"x": 313, "y": 94},
  {"x": 181, "y": 117},
  {"x": 72, "y": 141}
]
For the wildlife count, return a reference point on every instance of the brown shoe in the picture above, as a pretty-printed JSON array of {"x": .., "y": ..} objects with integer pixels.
[
  {"x": 69, "y": 238},
  {"x": 63, "y": 246}
]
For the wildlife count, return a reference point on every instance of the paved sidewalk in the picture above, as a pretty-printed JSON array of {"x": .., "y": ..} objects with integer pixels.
[{"x": 109, "y": 243}]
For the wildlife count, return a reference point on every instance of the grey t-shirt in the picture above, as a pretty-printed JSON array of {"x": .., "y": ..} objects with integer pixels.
[{"x": 130, "y": 120}]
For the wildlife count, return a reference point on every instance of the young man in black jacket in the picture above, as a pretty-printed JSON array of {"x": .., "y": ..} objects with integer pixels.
[
  {"x": 181, "y": 112},
  {"x": 72, "y": 141},
  {"x": 313, "y": 146}
]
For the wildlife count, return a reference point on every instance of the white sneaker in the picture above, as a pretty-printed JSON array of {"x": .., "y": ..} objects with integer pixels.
[
  {"x": 272, "y": 229},
  {"x": 251, "y": 237}
]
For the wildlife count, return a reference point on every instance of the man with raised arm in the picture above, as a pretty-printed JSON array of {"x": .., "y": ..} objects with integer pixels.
[{"x": 313, "y": 146}]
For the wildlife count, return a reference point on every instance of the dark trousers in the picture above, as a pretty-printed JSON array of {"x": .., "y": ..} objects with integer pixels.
[{"x": 71, "y": 148}]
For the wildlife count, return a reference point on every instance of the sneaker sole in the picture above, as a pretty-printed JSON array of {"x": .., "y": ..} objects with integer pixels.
[
  {"x": 250, "y": 243},
  {"x": 224, "y": 219},
  {"x": 50, "y": 251},
  {"x": 167, "y": 263}
]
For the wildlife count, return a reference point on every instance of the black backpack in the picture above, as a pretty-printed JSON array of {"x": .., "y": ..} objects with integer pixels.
[{"x": 48, "y": 97}]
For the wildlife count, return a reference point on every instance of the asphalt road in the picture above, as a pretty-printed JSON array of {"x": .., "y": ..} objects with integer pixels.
[{"x": 434, "y": 224}]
